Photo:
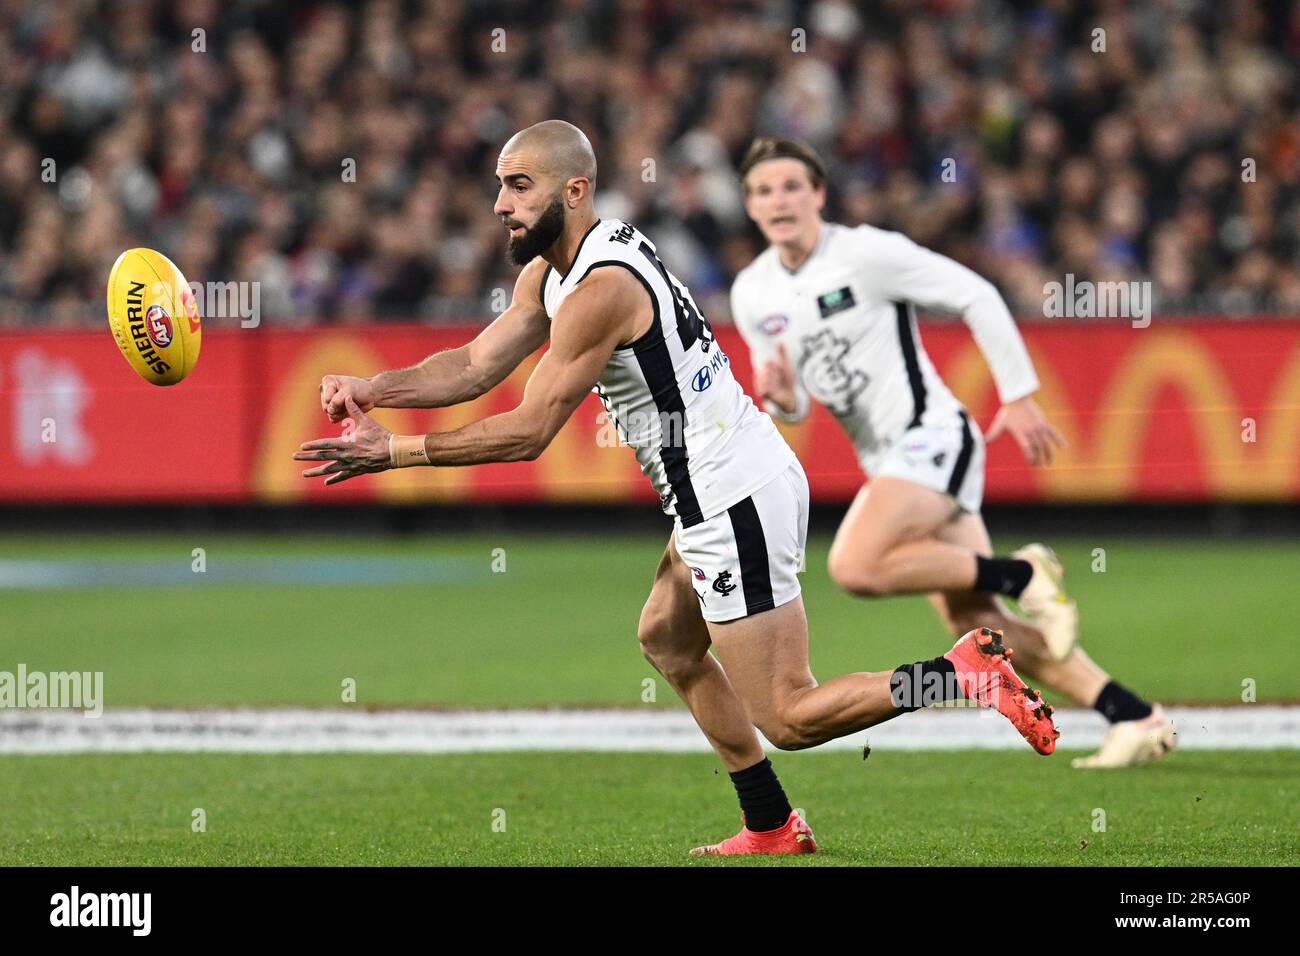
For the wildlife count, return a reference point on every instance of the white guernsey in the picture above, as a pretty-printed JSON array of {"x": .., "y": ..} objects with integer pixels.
[
  {"x": 846, "y": 319},
  {"x": 671, "y": 394}
]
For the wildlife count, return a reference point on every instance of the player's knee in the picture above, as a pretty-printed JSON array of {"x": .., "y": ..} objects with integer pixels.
[
  {"x": 863, "y": 577},
  {"x": 652, "y": 633},
  {"x": 783, "y": 736},
  {"x": 788, "y": 731}
]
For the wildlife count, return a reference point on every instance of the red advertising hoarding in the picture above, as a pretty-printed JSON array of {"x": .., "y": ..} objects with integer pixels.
[{"x": 1179, "y": 411}]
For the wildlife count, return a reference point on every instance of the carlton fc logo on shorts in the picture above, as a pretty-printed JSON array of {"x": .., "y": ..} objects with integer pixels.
[{"x": 722, "y": 583}]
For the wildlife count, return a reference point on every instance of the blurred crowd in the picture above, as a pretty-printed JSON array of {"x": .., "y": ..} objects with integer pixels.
[{"x": 342, "y": 154}]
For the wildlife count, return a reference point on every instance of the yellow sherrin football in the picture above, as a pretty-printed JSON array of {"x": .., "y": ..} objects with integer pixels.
[{"x": 154, "y": 317}]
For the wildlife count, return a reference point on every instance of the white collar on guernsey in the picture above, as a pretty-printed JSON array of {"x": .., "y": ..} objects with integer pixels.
[{"x": 823, "y": 234}]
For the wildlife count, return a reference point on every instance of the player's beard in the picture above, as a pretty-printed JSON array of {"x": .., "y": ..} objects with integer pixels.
[{"x": 540, "y": 236}]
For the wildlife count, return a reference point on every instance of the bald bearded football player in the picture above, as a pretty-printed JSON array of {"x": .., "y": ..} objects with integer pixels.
[
  {"x": 621, "y": 324},
  {"x": 829, "y": 311}
]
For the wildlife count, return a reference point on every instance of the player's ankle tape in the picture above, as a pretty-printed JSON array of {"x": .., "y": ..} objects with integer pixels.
[{"x": 406, "y": 450}]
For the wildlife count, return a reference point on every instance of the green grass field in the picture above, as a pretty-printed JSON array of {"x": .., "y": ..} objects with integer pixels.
[
  {"x": 960, "y": 808},
  {"x": 1181, "y": 621}
]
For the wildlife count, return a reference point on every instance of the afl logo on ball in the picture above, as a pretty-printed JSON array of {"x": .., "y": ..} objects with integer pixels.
[
  {"x": 774, "y": 324},
  {"x": 159, "y": 326}
]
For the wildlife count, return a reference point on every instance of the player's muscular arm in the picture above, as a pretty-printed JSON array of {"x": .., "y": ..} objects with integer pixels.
[
  {"x": 456, "y": 375},
  {"x": 915, "y": 273},
  {"x": 909, "y": 272},
  {"x": 607, "y": 309}
]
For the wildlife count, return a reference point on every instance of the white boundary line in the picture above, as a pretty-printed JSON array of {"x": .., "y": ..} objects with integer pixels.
[{"x": 1250, "y": 727}]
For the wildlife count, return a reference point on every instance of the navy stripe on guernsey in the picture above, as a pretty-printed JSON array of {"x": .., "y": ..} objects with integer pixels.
[
  {"x": 576, "y": 252},
  {"x": 963, "y": 457},
  {"x": 656, "y": 365},
  {"x": 689, "y": 324},
  {"x": 907, "y": 342},
  {"x": 751, "y": 545},
  {"x": 654, "y": 302}
]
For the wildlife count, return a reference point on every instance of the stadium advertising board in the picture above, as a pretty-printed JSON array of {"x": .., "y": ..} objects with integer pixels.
[{"x": 1180, "y": 411}]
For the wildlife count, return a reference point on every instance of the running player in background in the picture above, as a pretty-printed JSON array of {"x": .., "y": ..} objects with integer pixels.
[
  {"x": 620, "y": 323},
  {"x": 828, "y": 311}
]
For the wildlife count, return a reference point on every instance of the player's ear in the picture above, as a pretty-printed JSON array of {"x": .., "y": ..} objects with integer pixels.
[{"x": 575, "y": 189}]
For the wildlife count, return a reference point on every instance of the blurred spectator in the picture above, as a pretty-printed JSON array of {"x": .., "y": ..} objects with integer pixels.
[{"x": 342, "y": 154}]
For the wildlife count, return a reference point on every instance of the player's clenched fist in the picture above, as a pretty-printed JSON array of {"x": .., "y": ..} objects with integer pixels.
[{"x": 335, "y": 390}]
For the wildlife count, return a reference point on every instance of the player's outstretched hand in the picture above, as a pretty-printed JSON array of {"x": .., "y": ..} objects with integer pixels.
[
  {"x": 360, "y": 450},
  {"x": 1027, "y": 424},
  {"x": 335, "y": 390},
  {"x": 774, "y": 381}
]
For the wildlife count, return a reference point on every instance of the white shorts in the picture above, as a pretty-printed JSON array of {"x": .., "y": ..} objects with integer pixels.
[
  {"x": 747, "y": 559},
  {"x": 947, "y": 457}
]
